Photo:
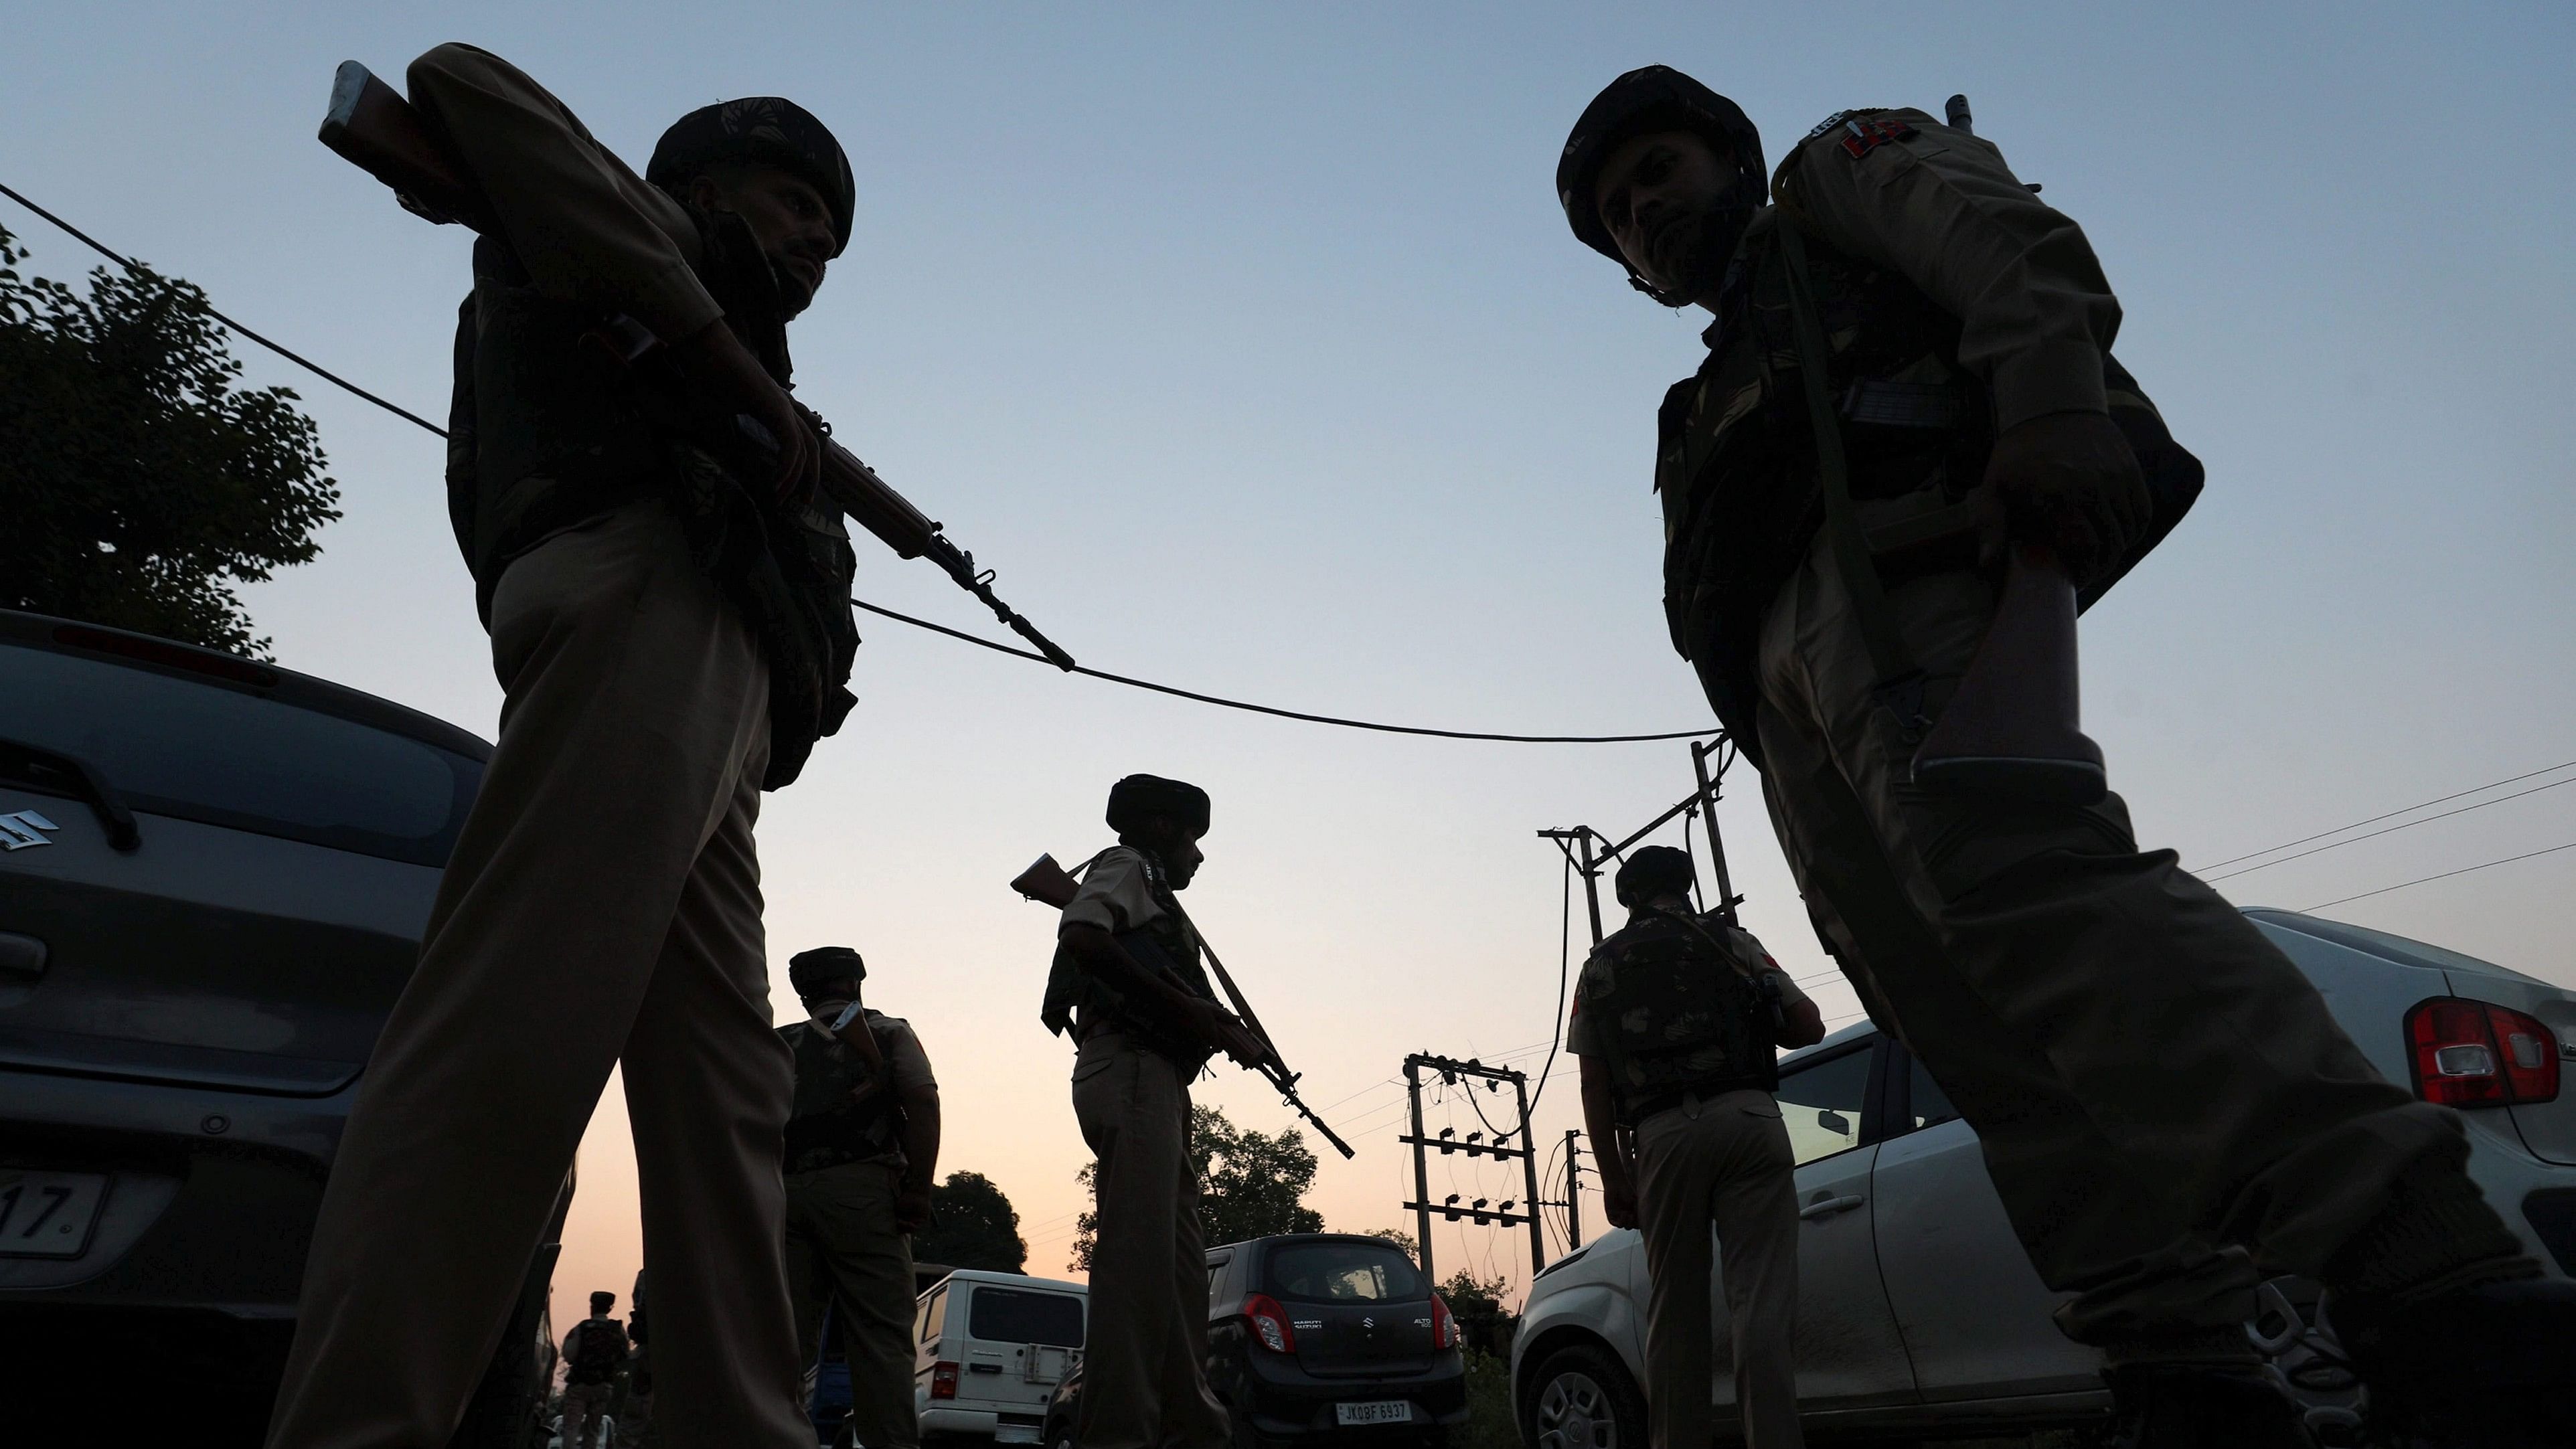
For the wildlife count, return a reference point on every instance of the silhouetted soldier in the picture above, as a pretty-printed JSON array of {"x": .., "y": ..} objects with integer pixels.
[
  {"x": 593, "y": 1352},
  {"x": 1144, "y": 1034},
  {"x": 671, "y": 632},
  {"x": 1676, "y": 1018},
  {"x": 2149, "y": 1075}
]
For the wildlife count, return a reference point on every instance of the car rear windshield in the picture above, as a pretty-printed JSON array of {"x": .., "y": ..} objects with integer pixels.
[
  {"x": 1342, "y": 1273},
  {"x": 198, "y": 751},
  {"x": 1007, "y": 1315}
]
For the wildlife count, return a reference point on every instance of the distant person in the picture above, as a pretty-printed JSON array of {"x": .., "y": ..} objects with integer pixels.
[
  {"x": 671, "y": 632},
  {"x": 862, "y": 1150},
  {"x": 1145, "y": 1031},
  {"x": 635, "y": 1404},
  {"x": 593, "y": 1353},
  {"x": 1675, "y": 1019},
  {"x": 2167, "y": 1108}
]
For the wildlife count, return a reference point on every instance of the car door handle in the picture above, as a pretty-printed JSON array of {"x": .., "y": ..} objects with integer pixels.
[{"x": 1828, "y": 1207}]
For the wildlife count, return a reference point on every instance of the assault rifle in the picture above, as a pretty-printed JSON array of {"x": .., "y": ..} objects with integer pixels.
[
  {"x": 1050, "y": 884},
  {"x": 2013, "y": 727},
  {"x": 370, "y": 125}
]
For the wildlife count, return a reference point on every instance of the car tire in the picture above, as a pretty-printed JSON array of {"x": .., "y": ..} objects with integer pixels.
[{"x": 1582, "y": 1398}]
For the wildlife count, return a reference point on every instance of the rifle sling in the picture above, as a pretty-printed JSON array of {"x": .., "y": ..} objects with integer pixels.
[{"x": 1900, "y": 681}]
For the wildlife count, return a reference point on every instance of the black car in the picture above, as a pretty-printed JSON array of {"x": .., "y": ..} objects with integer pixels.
[
  {"x": 1319, "y": 1337},
  {"x": 213, "y": 878}
]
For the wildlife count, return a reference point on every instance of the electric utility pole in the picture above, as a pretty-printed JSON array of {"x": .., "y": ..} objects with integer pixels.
[{"x": 1466, "y": 1074}]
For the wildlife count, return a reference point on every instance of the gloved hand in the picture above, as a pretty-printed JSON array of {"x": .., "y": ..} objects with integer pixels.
[{"x": 2070, "y": 482}]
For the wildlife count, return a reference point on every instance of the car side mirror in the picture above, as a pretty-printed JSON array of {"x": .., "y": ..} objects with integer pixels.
[{"x": 1833, "y": 1121}]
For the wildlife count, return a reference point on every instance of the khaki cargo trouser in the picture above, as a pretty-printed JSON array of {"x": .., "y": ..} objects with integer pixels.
[
  {"x": 602, "y": 906},
  {"x": 2166, "y": 1107},
  {"x": 584, "y": 1405},
  {"x": 1144, "y": 1357},
  {"x": 1723, "y": 1162},
  {"x": 843, "y": 1247}
]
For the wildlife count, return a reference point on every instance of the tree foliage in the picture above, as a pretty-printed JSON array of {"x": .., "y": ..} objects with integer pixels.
[
  {"x": 972, "y": 1225},
  {"x": 1251, "y": 1184},
  {"x": 138, "y": 482}
]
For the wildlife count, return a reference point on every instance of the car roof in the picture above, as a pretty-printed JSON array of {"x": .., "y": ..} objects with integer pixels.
[
  {"x": 2387, "y": 947},
  {"x": 1268, "y": 1239},
  {"x": 1005, "y": 1280},
  {"x": 217, "y": 670}
]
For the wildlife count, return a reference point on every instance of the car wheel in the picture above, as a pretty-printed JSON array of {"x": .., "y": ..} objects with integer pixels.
[{"x": 1582, "y": 1399}]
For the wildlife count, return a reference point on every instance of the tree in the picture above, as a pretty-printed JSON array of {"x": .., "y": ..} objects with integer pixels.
[
  {"x": 1477, "y": 1304},
  {"x": 1400, "y": 1238},
  {"x": 137, "y": 482},
  {"x": 972, "y": 1225},
  {"x": 1250, "y": 1184}
]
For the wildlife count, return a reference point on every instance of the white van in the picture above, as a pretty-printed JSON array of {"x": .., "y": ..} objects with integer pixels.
[{"x": 988, "y": 1350}]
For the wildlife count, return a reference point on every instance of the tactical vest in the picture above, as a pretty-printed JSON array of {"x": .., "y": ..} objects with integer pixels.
[
  {"x": 598, "y": 1351},
  {"x": 825, "y": 1127},
  {"x": 547, "y": 431},
  {"x": 1074, "y": 995},
  {"x": 1677, "y": 1008},
  {"x": 1736, "y": 467}
]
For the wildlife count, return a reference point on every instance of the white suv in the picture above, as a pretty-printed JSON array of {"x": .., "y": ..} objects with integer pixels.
[{"x": 1918, "y": 1312}]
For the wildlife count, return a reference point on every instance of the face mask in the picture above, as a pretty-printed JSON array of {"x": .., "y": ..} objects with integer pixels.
[{"x": 826, "y": 1012}]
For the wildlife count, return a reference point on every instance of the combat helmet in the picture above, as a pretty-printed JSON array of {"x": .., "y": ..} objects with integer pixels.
[
  {"x": 1654, "y": 97},
  {"x": 769, "y": 129}
]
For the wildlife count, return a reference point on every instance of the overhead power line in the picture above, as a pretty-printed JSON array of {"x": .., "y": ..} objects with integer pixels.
[
  {"x": 2389, "y": 829},
  {"x": 1101, "y": 674},
  {"x": 2204, "y": 871},
  {"x": 2445, "y": 875}
]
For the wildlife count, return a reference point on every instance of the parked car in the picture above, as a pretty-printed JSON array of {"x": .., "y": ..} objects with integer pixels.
[
  {"x": 1330, "y": 1337},
  {"x": 213, "y": 878},
  {"x": 1918, "y": 1312},
  {"x": 990, "y": 1349}
]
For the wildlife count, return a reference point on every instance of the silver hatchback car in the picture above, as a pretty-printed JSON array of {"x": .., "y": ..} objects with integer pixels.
[
  {"x": 213, "y": 879},
  {"x": 1919, "y": 1314}
]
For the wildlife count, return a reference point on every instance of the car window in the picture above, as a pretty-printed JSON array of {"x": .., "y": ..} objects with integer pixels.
[
  {"x": 1331, "y": 1272},
  {"x": 934, "y": 1309},
  {"x": 1926, "y": 1104},
  {"x": 1820, "y": 1102},
  {"x": 200, "y": 752},
  {"x": 1216, "y": 1278},
  {"x": 1010, "y": 1315}
]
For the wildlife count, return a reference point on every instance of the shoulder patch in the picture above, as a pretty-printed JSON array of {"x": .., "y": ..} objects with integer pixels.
[
  {"x": 1829, "y": 122},
  {"x": 1860, "y": 137}
]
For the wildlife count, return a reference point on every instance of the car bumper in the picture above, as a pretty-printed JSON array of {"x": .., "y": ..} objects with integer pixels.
[
  {"x": 211, "y": 1194},
  {"x": 1284, "y": 1402},
  {"x": 1003, "y": 1426}
]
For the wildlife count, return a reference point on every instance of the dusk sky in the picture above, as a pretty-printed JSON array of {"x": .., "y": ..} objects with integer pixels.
[{"x": 1249, "y": 345}]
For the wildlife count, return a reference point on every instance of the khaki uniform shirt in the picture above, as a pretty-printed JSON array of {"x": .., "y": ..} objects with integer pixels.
[
  {"x": 1116, "y": 897},
  {"x": 588, "y": 229},
  {"x": 1942, "y": 208}
]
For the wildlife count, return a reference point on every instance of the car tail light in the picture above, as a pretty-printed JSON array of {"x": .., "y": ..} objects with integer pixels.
[
  {"x": 2475, "y": 1054},
  {"x": 943, "y": 1381},
  {"x": 1270, "y": 1323},
  {"x": 1444, "y": 1324}
]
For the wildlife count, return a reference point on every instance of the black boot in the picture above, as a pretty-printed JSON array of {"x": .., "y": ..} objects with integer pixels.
[
  {"x": 2490, "y": 1366},
  {"x": 2204, "y": 1406}
]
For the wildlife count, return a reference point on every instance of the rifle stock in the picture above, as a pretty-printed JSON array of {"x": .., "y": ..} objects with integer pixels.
[
  {"x": 373, "y": 127},
  {"x": 1050, "y": 884}
]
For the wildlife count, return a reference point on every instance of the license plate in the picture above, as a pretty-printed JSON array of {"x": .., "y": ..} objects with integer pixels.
[
  {"x": 1381, "y": 1411},
  {"x": 48, "y": 1214},
  {"x": 1014, "y": 1434}
]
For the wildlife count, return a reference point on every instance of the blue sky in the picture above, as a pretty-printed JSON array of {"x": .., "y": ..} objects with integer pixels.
[{"x": 1248, "y": 344}]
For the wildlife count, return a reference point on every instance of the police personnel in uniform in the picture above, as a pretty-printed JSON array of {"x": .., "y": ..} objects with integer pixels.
[
  {"x": 1144, "y": 1034},
  {"x": 670, "y": 626},
  {"x": 1676, "y": 1018},
  {"x": 593, "y": 1352},
  {"x": 2166, "y": 1107},
  {"x": 862, "y": 1151}
]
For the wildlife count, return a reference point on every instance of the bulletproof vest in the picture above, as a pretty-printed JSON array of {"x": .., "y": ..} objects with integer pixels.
[
  {"x": 547, "y": 430},
  {"x": 1736, "y": 467},
  {"x": 1677, "y": 1009},
  {"x": 598, "y": 1348},
  {"x": 825, "y": 1127},
  {"x": 1167, "y": 943}
]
